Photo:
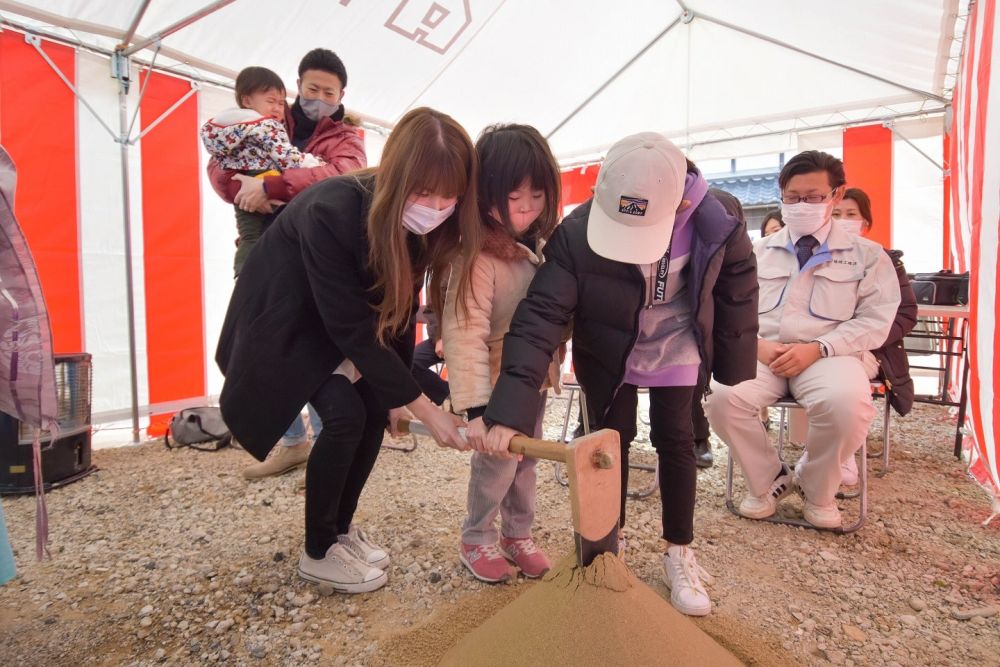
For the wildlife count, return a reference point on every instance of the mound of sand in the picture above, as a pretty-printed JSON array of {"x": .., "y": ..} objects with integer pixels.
[{"x": 598, "y": 615}]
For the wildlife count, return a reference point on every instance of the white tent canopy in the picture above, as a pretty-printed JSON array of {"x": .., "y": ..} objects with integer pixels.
[
  {"x": 585, "y": 73},
  {"x": 724, "y": 79}
]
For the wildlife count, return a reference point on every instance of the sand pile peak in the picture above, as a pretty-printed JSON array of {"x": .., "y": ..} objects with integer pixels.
[
  {"x": 596, "y": 615},
  {"x": 606, "y": 571}
]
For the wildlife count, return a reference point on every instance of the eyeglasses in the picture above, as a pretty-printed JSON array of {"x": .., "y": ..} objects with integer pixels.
[{"x": 809, "y": 199}]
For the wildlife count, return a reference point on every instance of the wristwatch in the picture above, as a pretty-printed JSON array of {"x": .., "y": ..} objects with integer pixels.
[{"x": 824, "y": 351}]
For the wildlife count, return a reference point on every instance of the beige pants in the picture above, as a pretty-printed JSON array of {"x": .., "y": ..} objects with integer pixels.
[{"x": 836, "y": 395}]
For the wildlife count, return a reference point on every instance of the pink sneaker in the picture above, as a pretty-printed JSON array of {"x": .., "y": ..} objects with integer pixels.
[
  {"x": 486, "y": 563},
  {"x": 526, "y": 555}
]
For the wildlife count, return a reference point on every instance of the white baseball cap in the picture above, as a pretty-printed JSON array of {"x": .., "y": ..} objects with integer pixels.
[{"x": 639, "y": 188}]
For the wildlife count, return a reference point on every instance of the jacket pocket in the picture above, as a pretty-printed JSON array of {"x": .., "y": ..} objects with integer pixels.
[
  {"x": 772, "y": 281},
  {"x": 834, "y": 294}
]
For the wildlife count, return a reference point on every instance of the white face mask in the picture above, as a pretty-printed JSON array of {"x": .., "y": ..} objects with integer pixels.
[
  {"x": 803, "y": 219},
  {"x": 424, "y": 219},
  {"x": 851, "y": 225}
]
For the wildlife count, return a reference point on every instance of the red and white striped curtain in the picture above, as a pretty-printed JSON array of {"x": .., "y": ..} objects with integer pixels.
[
  {"x": 974, "y": 164},
  {"x": 69, "y": 203}
]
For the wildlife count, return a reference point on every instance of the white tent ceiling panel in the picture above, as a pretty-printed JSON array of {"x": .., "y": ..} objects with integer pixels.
[
  {"x": 500, "y": 77},
  {"x": 386, "y": 69},
  {"x": 900, "y": 40},
  {"x": 657, "y": 93},
  {"x": 536, "y": 62}
]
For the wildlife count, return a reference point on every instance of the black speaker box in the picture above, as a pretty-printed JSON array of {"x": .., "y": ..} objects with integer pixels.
[{"x": 65, "y": 458}]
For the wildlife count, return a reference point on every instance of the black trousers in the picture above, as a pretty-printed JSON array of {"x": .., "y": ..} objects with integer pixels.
[
  {"x": 342, "y": 458},
  {"x": 430, "y": 382},
  {"x": 672, "y": 436}
]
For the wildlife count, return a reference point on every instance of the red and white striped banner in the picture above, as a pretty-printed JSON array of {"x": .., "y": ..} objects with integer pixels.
[
  {"x": 69, "y": 203},
  {"x": 973, "y": 144}
]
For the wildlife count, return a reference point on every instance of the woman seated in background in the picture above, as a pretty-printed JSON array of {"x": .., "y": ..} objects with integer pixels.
[
  {"x": 854, "y": 215},
  {"x": 772, "y": 223}
]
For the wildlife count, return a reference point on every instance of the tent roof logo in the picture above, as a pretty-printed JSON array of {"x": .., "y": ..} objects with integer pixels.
[{"x": 632, "y": 205}]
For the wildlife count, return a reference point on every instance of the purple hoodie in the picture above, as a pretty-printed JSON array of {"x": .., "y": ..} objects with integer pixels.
[{"x": 666, "y": 352}]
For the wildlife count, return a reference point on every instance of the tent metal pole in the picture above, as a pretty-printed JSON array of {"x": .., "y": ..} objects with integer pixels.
[
  {"x": 121, "y": 72},
  {"x": 899, "y": 135},
  {"x": 196, "y": 63},
  {"x": 37, "y": 14},
  {"x": 36, "y": 42},
  {"x": 174, "y": 27},
  {"x": 139, "y": 13},
  {"x": 142, "y": 91},
  {"x": 595, "y": 155},
  {"x": 816, "y": 56},
  {"x": 173, "y": 107},
  {"x": 824, "y": 126},
  {"x": 614, "y": 76}
]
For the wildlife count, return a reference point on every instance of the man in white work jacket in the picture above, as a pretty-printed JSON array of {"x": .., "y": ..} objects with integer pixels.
[{"x": 826, "y": 299}]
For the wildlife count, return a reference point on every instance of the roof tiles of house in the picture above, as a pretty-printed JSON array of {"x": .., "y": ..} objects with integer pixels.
[{"x": 755, "y": 190}]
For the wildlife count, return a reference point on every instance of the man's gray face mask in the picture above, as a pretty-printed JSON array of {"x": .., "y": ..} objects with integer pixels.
[{"x": 317, "y": 108}]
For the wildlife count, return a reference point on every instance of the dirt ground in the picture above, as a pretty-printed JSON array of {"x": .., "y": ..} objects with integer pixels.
[{"x": 170, "y": 557}]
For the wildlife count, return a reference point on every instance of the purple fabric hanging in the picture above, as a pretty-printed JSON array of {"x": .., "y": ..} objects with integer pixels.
[{"x": 27, "y": 367}]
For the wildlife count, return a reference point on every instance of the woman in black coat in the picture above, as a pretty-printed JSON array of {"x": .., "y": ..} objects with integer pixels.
[{"x": 323, "y": 312}]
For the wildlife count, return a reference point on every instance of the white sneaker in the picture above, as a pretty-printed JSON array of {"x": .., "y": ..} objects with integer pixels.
[
  {"x": 343, "y": 570},
  {"x": 822, "y": 516},
  {"x": 357, "y": 542},
  {"x": 683, "y": 575},
  {"x": 761, "y": 507}
]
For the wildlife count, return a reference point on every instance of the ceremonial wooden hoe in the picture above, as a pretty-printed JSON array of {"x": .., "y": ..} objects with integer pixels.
[{"x": 593, "y": 464}]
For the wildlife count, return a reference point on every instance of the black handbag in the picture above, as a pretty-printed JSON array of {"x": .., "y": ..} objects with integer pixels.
[{"x": 942, "y": 288}]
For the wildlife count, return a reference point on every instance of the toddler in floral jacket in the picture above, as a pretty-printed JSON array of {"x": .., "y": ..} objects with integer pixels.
[{"x": 252, "y": 139}]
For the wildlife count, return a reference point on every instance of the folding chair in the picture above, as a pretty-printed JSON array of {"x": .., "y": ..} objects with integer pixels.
[
  {"x": 576, "y": 392},
  {"x": 879, "y": 390},
  {"x": 402, "y": 448},
  {"x": 783, "y": 405},
  {"x": 443, "y": 372}
]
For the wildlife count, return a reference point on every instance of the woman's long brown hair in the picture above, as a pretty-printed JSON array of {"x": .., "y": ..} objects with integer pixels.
[{"x": 427, "y": 151}]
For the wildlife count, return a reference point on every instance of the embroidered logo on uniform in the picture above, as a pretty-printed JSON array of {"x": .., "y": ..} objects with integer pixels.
[
  {"x": 845, "y": 261},
  {"x": 632, "y": 205}
]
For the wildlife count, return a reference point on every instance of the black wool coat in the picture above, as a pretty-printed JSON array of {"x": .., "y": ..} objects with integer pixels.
[
  {"x": 302, "y": 304},
  {"x": 894, "y": 366},
  {"x": 603, "y": 299}
]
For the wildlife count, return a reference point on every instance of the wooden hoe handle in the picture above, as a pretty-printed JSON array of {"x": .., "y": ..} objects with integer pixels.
[{"x": 519, "y": 444}]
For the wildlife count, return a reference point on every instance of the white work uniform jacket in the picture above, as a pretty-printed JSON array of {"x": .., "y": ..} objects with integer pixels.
[{"x": 846, "y": 295}]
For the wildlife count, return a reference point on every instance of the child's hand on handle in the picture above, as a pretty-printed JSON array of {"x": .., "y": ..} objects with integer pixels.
[
  {"x": 440, "y": 423},
  {"x": 475, "y": 434},
  {"x": 498, "y": 441}
]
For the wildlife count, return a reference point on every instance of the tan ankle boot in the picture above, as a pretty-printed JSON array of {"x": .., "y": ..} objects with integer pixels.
[{"x": 281, "y": 460}]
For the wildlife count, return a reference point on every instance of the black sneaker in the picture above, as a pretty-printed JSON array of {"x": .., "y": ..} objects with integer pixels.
[{"x": 703, "y": 454}]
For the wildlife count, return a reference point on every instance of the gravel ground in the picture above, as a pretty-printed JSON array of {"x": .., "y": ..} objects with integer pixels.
[{"x": 170, "y": 557}]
